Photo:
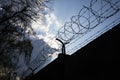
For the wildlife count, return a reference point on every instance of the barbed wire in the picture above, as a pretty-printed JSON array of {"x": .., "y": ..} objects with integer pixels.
[
  {"x": 94, "y": 36},
  {"x": 88, "y": 18}
]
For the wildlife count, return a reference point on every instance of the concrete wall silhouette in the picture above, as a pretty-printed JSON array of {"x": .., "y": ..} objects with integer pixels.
[{"x": 96, "y": 61}]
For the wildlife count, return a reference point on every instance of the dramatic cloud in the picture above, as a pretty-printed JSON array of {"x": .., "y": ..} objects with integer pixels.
[
  {"x": 45, "y": 26},
  {"x": 46, "y": 29}
]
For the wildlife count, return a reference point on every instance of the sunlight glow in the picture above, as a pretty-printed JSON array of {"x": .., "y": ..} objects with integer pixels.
[{"x": 44, "y": 29}]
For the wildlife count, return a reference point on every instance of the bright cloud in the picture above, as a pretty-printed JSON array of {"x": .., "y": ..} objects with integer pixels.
[
  {"x": 46, "y": 29},
  {"x": 50, "y": 22}
]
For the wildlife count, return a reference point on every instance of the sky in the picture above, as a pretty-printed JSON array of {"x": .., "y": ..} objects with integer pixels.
[{"x": 63, "y": 10}]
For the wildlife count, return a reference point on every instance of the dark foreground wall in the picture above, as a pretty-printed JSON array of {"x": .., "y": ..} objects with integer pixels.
[{"x": 96, "y": 61}]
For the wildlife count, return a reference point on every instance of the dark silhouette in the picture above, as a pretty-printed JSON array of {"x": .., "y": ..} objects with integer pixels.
[{"x": 96, "y": 61}]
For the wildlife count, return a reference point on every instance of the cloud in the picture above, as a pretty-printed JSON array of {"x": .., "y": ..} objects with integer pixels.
[
  {"x": 47, "y": 28},
  {"x": 50, "y": 22}
]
